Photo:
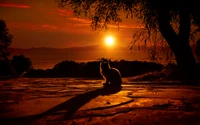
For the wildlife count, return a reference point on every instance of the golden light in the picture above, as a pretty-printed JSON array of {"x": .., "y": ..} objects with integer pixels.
[{"x": 109, "y": 41}]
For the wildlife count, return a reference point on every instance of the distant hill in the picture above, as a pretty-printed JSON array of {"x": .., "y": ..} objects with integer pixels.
[
  {"x": 77, "y": 53},
  {"x": 43, "y": 56}
]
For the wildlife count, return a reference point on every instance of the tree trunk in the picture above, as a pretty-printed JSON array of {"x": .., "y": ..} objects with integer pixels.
[
  {"x": 179, "y": 43},
  {"x": 187, "y": 59}
]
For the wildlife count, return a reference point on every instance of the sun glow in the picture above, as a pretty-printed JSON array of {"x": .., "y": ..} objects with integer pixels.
[{"x": 109, "y": 41}]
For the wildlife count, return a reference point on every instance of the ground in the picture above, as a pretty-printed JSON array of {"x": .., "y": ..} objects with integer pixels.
[{"x": 71, "y": 101}]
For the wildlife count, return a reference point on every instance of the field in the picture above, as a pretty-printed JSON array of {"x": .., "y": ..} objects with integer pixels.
[{"x": 71, "y": 101}]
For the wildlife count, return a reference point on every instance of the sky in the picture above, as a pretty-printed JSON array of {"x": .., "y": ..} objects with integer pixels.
[{"x": 41, "y": 23}]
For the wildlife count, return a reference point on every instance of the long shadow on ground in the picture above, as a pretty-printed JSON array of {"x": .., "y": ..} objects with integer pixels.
[{"x": 70, "y": 106}]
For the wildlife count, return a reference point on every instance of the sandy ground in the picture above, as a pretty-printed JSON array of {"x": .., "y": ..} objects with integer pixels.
[{"x": 70, "y": 101}]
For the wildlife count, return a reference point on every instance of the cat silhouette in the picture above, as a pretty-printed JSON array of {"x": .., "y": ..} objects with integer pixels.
[{"x": 111, "y": 75}]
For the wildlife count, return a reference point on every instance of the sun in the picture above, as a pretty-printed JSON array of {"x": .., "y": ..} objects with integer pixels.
[{"x": 109, "y": 41}]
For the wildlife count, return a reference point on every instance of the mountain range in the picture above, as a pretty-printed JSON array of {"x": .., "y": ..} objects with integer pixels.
[{"x": 44, "y": 55}]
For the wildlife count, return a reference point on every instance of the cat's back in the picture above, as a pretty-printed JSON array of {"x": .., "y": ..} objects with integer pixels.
[
  {"x": 116, "y": 75},
  {"x": 115, "y": 71}
]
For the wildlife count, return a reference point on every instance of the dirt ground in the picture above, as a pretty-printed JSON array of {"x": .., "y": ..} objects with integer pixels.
[{"x": 70, "y": 101}]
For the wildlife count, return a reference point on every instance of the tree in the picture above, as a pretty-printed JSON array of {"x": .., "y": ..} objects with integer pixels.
[
  {"x": 158, "y": 16},
  {"x": 5, "y": 41},
  {"x": 21, "y": 64}
]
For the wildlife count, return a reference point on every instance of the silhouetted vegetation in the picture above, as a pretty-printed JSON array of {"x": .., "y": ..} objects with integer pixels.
[
  {"x": 91, "y": 69},
  {"x": 5, "y": 42},
  {"x": 4, "y": 68},
  {"x": 20, "y": 63}
]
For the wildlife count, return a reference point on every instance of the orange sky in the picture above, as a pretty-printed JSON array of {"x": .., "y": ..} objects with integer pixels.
[{"x": 40, "y": 23}]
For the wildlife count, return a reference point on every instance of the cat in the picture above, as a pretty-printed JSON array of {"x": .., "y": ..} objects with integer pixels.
[{"x": 112, "y": 76}]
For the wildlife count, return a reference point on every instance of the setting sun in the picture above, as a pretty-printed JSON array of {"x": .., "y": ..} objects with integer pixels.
[{"x": 109, "y": 41}]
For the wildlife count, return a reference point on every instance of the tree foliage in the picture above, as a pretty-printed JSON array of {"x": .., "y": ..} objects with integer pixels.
[
  {"x": 21, "y": 63},
  {"x": 104, "y": 12},
  {"x": 5, "y": 39}
]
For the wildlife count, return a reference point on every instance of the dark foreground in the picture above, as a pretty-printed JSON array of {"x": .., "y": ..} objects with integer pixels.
[{"x": 72, "y": 101}]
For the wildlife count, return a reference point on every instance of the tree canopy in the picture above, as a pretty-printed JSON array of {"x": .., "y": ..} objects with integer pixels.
[
  {"x": 103, "y": 12},
  {"x": 5, "y": 39},
  {"x": 5, "y": 42},
  {"x": 21, "y": 64}
]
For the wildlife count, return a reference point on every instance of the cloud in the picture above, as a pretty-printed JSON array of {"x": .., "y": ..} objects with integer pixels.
[
  {"x": 80, "y": 21},
  {"x": 48, "y": 27},
  {"x": 13, "y": 5},
  {"x": 32, "y": 26},
  {"x": 87, "y": 22},
  {"x": 64, "y": 12},
  {"x": 61, "y": 12}
]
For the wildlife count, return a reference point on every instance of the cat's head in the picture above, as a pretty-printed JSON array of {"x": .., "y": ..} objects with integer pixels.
[{"x": 104, "y": 64}]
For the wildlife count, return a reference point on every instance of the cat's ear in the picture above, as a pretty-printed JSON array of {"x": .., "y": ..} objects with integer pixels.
[
  {"x": 108, "y": 61},
  {"x": 101, "y": 61}
]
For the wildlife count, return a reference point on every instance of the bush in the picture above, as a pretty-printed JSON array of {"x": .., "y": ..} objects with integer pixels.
[{"x": 21, "y": 64}]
